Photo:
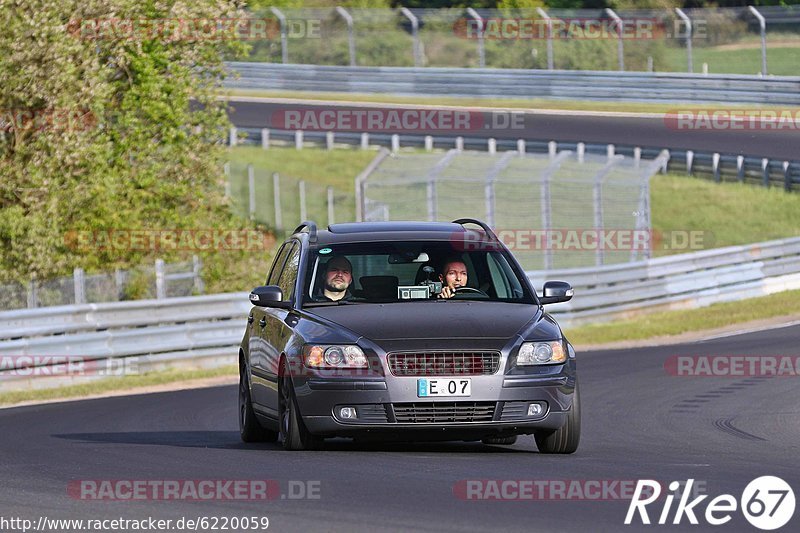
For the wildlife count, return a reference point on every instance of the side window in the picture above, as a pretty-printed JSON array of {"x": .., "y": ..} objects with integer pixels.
[
  {"x": 503, "y": 277},
  {"x": 277, "y": 264},
  {"x": 289, "y": 275}
]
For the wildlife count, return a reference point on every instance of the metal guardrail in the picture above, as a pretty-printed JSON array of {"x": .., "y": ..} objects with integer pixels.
[
  {"x": 714, "y": 166},
  {"x": 204, "y": 331},
  {"x": 518, "y": 83}
]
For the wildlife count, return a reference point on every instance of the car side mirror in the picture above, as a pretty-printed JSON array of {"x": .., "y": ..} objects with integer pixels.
[
  {"x": 556, "y": 292},
  {"x": 268, "y": 296}
]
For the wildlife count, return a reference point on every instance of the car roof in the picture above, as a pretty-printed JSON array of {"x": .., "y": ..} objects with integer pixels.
[{"x": 353, "y": 232}]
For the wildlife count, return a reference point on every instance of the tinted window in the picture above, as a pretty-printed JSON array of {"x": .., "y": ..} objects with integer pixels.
[
  {"x": 289, "y": 275},
  {"x": 277, "y": 264}
]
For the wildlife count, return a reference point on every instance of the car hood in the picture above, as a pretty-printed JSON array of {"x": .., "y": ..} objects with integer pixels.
[{"x": 431, "y": 320}]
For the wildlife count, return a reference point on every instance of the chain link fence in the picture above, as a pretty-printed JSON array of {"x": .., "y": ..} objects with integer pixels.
[
  {"x": 159, "y": 280},
  {"x": 735, "y": 40},
  {"x": 590, "y": 209}
]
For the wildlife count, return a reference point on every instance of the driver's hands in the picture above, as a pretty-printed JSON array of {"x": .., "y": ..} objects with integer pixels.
[{"x": 447, "y": 292}]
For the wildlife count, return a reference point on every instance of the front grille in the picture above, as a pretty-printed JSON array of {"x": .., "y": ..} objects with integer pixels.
[
  {"x": 443, "y": 363},
  {"x": 439, "y": 412}
]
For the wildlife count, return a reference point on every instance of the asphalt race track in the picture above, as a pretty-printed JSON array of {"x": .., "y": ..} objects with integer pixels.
[
  {"x": 638, "y": 422},
  {"x": 647, "y": 131}
]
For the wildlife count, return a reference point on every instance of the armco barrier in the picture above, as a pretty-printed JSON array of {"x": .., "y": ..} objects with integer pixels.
[
  {"x": 204, "y": 331},
  {"x": 518, "y": 83}
]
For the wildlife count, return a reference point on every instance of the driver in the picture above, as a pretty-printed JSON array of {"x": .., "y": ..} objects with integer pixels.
[
  {"x": 453, "y": 276},
  {"x": 338, "y": 277}
]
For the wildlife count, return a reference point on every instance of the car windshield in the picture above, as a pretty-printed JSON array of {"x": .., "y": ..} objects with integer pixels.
[{"x": 409, "y": 271}]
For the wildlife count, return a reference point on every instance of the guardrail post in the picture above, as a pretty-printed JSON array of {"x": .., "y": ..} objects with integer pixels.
[
  {"x": 284, "y": 40},
  {"x": 715, "y": 166},
  {"x": 481, "y": 50},
  {"x": 740, "y": 168},
  {"x": 581, "y": 151},
  {"x": 233, "y": 136},
  {"x": 521, "y": 147},
  {"x": 620, "y": 46},
  {"x": 414, "y": 34},
  {"x": 649, "y": 63},
  {"x": 787, "y": 176},
  {"x": 329, "y": 138},
  {"x": 197, "y": 267},
  {"x": 762, "y": 23},
  {"x": 351, "y": 39},
  {"x": 610, "y": 150},
  {"x": 226, "y": 171},
  {"x": 552, "y": 148},
  {"x": 689, "y": 162},
  {"x": 251, "y": 190},
  {"x": 265, "y": 138},
  {"x": 298, "y": 139},
  {"x": 365, "y": 141},
  {"x": 301, "y": 187},
  {"x": 765, "y": 171},
  {"x": 428, "y": 143},
  {"x": 460, "y": 144},
  {"x": 637, "y": 156},
  {"x": 688, "y": 23},
  {"x": 546, "y": 17},
  {"x": 79, "y": 285},
  {"x": 395, "y": 143},
  {"x": 331, "y": 214},
  {"x": 119, "y": 283},
  {"x": 33, "y": 294},
  {"x": 161, "y": 280},
  {"x": 276, "y": 197}
]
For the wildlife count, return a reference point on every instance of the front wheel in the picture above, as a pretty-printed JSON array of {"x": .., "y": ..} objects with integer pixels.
[
  {"x": 566, "y": 438},
  {"x": 293, "y": 434},
  {"x": 250, "y": 430}
]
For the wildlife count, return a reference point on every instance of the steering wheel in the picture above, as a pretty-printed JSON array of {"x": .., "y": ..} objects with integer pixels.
[{"x": 469, "y": 292}]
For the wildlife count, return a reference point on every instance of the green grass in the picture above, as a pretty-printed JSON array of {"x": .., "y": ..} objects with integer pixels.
[
  {"x": 781, "y": 61},
  {"x": 116, "y": 384},
  {"x": 519, "y": 103},
  {"x": 682, "y": 321}
]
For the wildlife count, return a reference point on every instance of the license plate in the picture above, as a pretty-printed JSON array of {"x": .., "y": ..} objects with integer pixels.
[{"x": 443, "y": 387}]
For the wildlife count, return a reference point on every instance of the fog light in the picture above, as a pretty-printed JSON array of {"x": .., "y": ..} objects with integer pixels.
[
  {"x": 347, "y": 412},
  {"x": 535, "y": 409}
]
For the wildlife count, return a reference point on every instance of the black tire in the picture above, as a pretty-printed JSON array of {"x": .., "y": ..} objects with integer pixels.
[
  {"x": 500, "y": 440},
  {"x": 567, "y": 437},
  {"x": 250, "y": 429},
  {"x": 292, "y": 433}
]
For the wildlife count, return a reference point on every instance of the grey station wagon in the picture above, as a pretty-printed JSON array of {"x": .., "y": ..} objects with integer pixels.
[{"x": 405, "y": 331}]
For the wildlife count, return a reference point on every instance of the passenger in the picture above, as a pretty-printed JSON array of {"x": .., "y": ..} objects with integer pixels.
[{"x": 453, "y": 276}]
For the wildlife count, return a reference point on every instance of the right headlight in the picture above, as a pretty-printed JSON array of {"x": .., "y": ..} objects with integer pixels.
[
  {"x": 541, "y": 353},
  {"x": 334, "y": 356}
]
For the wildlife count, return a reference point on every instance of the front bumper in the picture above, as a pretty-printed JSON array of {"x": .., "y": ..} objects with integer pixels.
[{"x": 389, "y": 407}]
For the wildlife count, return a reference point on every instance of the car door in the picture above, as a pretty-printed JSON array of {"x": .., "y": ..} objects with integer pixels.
[
  {"x": 258, "y": 344},
  {"x": 276, "y": 331}
]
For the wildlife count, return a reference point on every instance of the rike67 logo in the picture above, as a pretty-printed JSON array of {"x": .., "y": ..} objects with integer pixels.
[{"x": 767, "y": 503}]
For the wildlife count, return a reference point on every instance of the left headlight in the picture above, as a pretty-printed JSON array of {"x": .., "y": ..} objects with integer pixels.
[
  {"x": 541, "y": 353},
  {"x": 334, "y": 356}
]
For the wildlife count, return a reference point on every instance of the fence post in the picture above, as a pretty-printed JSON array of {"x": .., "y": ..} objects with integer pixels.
[
  {"x": 233, "y": 136},
  {"x": 331, "y": 217},
  {"x": 365, "y": 141},
  {"x": 428, "y": 143},
  {"x": 79, "y": 285},
  {"x": 552, "y": 149},
  {"x": 301, "y": 185},
  {"x": 395, "y": 143},
  {"x": 226, "y": 170},
  {"x": 715, "y": 166},
  {"x": 414, "y": 34},
  {"x": 491, "y": 145},
  {"x": 688, "y": 23},
  {"x": 481, "y": 51},
  {"x": 265, "y": 138},
  {"x": 284, "y": 41},
  {"x": 298, "y": 139},
  {"x": 251, "y": 190},
  {"x": 33, "y": 294},
  {"x": 161, "y": 281},
  {"x": 580, "y": 148},
  {"x": 119, "y": 283},
  {"x": 689, "y": 162},
  {"x": 460, "y": 144},
  {"x": 521, "y": 147},
  {"x": 787, "y": 176},
  {"x": 549, "y": 21},
  {"x": 351, "y": 40},
  {"x": 329, "y": 138},
  {"x": 762, "y": 24},
  {"x": 740, "y": 168},
  {"x": 620, "y": 49},
  {"x": 430, "y": 194},
  {"x": 637, "y": 156},
  {"x": 276, "y": 196},
  {"x": 610, "y": 150},
  {"x": 197, "y": 267},
  {"x": 765, "y": 171}
]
